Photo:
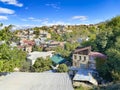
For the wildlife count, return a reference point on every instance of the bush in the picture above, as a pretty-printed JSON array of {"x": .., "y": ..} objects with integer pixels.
[
  {"x": 62, "y": 68},
  {"x": 42, "y": 65},
  {"x": 25, "y": 67}
]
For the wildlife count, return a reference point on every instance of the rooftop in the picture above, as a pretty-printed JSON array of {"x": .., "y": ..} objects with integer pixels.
[
  {"x": 85, "y": 75},
  {"x": 36, "y": 81},
  {"x": 57, "y": 59},
  {"x": 97, "y": 54},
  {"x": 34, "y": 55}
]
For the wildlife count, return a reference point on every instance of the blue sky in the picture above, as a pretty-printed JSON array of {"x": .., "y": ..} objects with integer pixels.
[{"x": 49, "y": 12}]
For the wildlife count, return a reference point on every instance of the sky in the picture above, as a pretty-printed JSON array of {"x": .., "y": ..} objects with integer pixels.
[{"x": 52, "y": 12}]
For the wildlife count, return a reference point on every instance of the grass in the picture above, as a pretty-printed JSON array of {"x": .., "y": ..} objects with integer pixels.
[{"x": 83, "y": 88}]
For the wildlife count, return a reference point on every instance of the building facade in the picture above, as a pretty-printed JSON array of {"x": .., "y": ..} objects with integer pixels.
[{"x": 81, "y": 57}]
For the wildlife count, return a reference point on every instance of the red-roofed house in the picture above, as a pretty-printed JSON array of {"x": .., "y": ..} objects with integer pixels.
[
  {"x": 29, "y": 42},
  {"x": 26, "y": 45}
]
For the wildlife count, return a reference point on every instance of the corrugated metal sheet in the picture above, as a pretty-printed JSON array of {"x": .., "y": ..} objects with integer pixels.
[
  {"x": 85, "y": 75},
  {"x": 36, "y": 81}
]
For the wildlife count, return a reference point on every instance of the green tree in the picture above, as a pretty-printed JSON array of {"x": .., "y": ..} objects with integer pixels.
[
  {"x": 25, "y": 67},
  {"x": 37, "y": 48},
  {"x": 11, "y": 58},
  {"x": 42, "y": 65},
  {"x": 62, "y": 68}
]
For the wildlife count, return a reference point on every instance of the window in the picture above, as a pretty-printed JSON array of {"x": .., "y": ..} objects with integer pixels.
[
  {"x": 75, "y": 57},
  {"x": 84, "y": 59},
  {"x": 79, "y": 57}
]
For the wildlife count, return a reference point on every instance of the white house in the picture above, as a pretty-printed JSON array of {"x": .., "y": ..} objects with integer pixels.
[{"x": 34, "y": 55}]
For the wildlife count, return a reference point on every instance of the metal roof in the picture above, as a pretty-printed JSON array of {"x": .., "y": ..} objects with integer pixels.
[
  {"x": 36, "y": 81},
  {"x": 57, "y": 59},
  {"x": 85, "y": 75},
  {"x": 34, "y": 55}
]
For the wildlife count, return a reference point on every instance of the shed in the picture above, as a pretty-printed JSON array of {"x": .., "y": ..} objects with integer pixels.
[{"x": 85, "y": 75}]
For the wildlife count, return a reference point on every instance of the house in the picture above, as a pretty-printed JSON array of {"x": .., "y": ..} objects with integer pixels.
[
  {"x": 93, "y": 56},
  {"x": 37, "y": 41},
  {"x": 49, "y": 45},
  {"x": 44, "y": 34},
  {"x": 36, "y": 81},
  {"x": 26, "y": 45},
  {"x": 84, "y": 66},
  {"x": 85, "y": 58},
  {"x": 27, "y": 42},
  {"x": 32, "y": 57},
  {"x": 26, "y": 48},
  {"x": 31, "y": 37},
  {"x": 55, "y": 44},
  {"x": 81, "y": 57}
]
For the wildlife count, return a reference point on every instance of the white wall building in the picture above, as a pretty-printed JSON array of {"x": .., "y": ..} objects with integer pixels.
[{"x": 34, "y": 55}]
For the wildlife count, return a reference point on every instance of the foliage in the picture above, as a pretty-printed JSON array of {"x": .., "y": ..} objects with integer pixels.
[
  {"x": 6, "y": 34},
  {"x": 37, "y": 48},
  {"x": 62, "y": 68},
  {"x": 90, "y": 43},
  {"x": 42, "y": 65},
  {"x": 99, "y": 62},
  {"x": 37, "y": 32},
  {"x": 56, "y": 37},
  {"x": 83, "y": 88},
  {"x": 68, "y": 48},
  {"x": 110, "y": 86},
  {"x": 108, "y": 42},
  {"x": 10, "y": 58},
  {"x": 25, "y": 67}
]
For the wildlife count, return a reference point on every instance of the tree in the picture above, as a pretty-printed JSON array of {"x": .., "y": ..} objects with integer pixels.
[
  {"x": 6, "y": 34},
  {"x": 62, "y": 68},
  {"x": 1, "y": 24},
  {"x": 10, "y": 58},
  {"x": 42, "y": 65},
  {"x": 37, "y": 48},
  {"x": 25, "y": 67}
]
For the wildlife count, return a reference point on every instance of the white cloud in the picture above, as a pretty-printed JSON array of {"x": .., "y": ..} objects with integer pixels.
[
  {"x": 54, "y": 23},
  {"x": 53, "y": 6},
  {"x": 3, "y": 18},
  {"x": 83, "y": 18},
  {"x": 6, "y": 11},
  {"x": 12, "y": 2},
  {"x": 32, "y": 19}
]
